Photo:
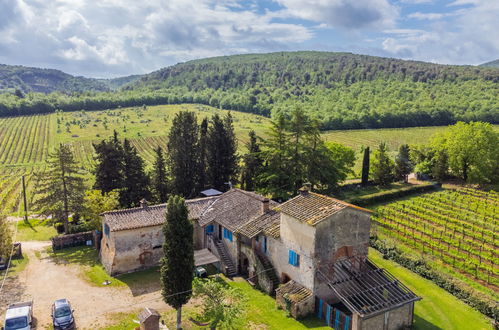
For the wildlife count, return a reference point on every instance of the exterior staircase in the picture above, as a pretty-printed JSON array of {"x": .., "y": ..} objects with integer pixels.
[
  {"x": 230, "y": 269},
  {"x": 271, "y": 273}
]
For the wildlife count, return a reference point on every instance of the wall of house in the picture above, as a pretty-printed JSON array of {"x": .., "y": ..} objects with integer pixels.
[
  {"x": 136, "y": 249},
  {"x": 395, "y": 319},
  {"x": 107, "y": 251},
  {"x": 344, "y": 234},
  {"x": 278, "y": 253},
  {"x": 199, "y": 236}
]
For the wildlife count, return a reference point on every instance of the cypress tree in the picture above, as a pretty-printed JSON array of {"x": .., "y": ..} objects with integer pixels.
[
  {"x": 221, "y": 152},
  {"x": 382, "y": 166},
  {"x": 135, "y": 180},
  {"x": 178, "y": 262},
  {"x": 252, "y": 163},
  {"x": 183, "y": 154},
  {"x": 365, "y": 167},
  {"x": 110, "y": 164},
  {"x": 61, "y": 186},
  {"x": 203, "y": 132},
  {"x": 160, "y": 180},
  {"x": 403, "y": 165}
]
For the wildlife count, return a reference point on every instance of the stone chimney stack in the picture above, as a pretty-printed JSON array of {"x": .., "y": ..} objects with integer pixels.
[
  {"x": 143, "y": 203},
  {"x": 265, "y": 205},
  {"x": 307, "y": 187}
]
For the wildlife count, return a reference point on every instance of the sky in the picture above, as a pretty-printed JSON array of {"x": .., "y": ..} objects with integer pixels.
[{"x": 111, "y": 38}]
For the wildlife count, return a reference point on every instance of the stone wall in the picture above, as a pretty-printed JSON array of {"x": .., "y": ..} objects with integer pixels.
[{"x": 396, "y": 319}]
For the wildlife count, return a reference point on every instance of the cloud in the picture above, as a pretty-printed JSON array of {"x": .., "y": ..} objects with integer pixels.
[
  {"x": 468, "y": 36},
  {"x": 117, "y": 37},
  {"x": 427, "y": 16},
  {"x": 357, "y": 14}
]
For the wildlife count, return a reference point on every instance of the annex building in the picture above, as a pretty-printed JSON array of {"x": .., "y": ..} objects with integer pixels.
[{"x": 310, "y": 252}]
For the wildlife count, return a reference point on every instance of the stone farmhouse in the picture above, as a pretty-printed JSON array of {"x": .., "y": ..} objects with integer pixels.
[{"x": 311, "y": 252}]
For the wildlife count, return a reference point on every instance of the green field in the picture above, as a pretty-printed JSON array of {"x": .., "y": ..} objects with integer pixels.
[{"x": 26, "y": 141}]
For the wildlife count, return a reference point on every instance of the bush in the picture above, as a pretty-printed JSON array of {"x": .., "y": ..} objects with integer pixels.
[
  {"x": 389, "y": 195},
  {"x": 475, "y": 299}
]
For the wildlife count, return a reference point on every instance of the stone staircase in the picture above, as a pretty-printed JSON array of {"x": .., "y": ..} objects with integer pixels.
[
  {"x": 270, "y": 273},
  {"x": 230, "y": 269}
]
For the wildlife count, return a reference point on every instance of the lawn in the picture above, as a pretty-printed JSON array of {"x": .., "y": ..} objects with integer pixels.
[
  {"x": 16, "y": 266},
  {"x": 35, "y": 230},
  {"x": 438, "y": 309}
]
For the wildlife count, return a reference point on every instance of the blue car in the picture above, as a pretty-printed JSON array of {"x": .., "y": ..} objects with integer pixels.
[{"x": 62, "y": 315}]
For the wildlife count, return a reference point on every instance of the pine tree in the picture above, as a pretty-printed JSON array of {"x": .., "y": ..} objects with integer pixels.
[
  {"x": 252, "y": 163},
  {"x": 61, "y": 186},
  {"x": 183, "y": 154},
  {"x": 178, "y": 262},
  {"x": 203, "y": 141},
  {"x": 110, "y": 165},
  {"x": 299, "y": 126},
  {"x": 135, "y": 180},
  {"x": 159, "y": 178},
  {"x": 403, "y": 165},
  {"x": 221, "y": 152},
  {"x": 382, "y": 166},
  {"x": 365, "y": 167}
]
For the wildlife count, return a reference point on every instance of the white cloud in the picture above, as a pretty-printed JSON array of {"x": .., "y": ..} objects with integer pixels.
[
  {"x": 357, "y": 14},
  {"x": 119, "y": 37},
  {"x": 427, "y": 16}
]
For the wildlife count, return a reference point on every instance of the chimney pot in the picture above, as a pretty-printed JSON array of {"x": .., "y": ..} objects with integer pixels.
[
  {"x": 143, "y": 202},
  {"x": 265, "y": 205}
]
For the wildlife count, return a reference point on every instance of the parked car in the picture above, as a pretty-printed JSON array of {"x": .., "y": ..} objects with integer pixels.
[
  {"x": 19, "y": 316},
  {"x": 200, "y": 272},
  {"x": 62, "y": 315}
]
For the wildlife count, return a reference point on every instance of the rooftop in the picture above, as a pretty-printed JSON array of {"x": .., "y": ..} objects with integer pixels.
[
  {"x": 154, "y": 215},
  {"x": 294, "y": 291},
  {"x": 365, "y": 288},
  {"x": 312, "y": 208},
  {"x": 255, "y": 226}
]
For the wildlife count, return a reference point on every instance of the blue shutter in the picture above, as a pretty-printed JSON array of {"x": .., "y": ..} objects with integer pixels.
[
  {"x": 209, "y": 229},
  {"x": 328, "y": 317},
  {"x": 290, "y": 257},
  {"x": 297, "y": 259},
  {"x": 230, "y": 235},
  {"x": 347, "y": 322}
]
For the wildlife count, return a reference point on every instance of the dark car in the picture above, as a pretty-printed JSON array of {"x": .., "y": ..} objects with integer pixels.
[{"x": 62, "y": 315}]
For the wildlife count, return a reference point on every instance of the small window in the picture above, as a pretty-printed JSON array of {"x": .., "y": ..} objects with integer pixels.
[
  {"x": 210, "y": 229},
  {"x": 156, "y": 247},
  {"x": 106, "y": 229},
  {"x": 227, "y": 234},
  {"x": 294, "y": 258}
]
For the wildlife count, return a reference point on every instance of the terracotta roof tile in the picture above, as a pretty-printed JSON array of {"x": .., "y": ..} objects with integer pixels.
[
  {"x": 294, "y": 291},
  {"x": 258, "y": 224},
  {"x": 154, "y": 215},
  {"x": 312, "y": 208},
  {"x": 273, "y": 230}
]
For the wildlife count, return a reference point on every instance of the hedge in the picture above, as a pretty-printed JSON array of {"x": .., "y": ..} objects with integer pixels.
[
  {"x": 475, "y": 299},
  {"x": 389, "y": 195}
]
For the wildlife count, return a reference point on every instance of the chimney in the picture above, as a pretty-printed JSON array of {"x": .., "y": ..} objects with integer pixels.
[
  {"x": 305, "y": 189},
  {"x": 143, "y": 203},
  {"x": 265, "y": 205}
]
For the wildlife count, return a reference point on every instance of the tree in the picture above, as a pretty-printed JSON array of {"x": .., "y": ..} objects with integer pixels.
[
  {"x": 177, "y": 265},
  {"x": 222, "y": 305},
  {"x": 183, "y": 154},
  {"x": 159, "y": 177},
  {"x": 252, "y": 163},
  {"x": 471, "y": 151},
  {"x": 5, "y": 238},
  {"x": 403, "y": 165},
  {"x": 203, "y": 146},
  {"x": 365, "y": 167},
  {"x": 382, "y": 166},
  {"x": 110, "y": 164},
  {"x": 440, "y": 165},
  {"x": 135, "y": 180},
  {"x": 221, "y": 155},
  {"x": 95, "y": 202},
  {"x": 61, "y": 186}
]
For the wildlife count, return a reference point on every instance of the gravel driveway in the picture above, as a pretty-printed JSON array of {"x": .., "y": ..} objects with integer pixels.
[{"x": 45, "y": 281}]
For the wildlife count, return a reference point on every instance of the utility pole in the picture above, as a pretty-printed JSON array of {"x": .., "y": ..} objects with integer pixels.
[{"x": 25, "y": 201}]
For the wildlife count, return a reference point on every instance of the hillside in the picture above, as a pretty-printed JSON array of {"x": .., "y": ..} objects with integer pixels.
[
  {"x": 341, "y": 90},
  {"x": 493, "y": 64},
  {"x": 28, "y": 79}
]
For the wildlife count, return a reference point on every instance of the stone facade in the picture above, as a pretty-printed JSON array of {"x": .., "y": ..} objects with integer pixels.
[{"x": 398, "y": 319}]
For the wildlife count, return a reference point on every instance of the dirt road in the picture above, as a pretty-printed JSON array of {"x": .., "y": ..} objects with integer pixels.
[{"x": 45, "y": 281}]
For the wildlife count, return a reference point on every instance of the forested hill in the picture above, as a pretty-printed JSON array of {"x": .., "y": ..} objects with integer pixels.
[
  {"x": 342, "y": 90},
  {"x": 27, "y": 79},
  {"x": 494, "y": 64}
]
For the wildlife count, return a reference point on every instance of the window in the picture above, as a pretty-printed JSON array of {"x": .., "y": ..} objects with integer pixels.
[
  {"x": 106, "y": 229},
  {"x": 294, "y": 258},
  {"x": 227, "y": 234},
  {"x": 210, "y": 229}
]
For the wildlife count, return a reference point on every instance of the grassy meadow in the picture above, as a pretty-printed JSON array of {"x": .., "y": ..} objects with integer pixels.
[{"x": 25, "y": 142}]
